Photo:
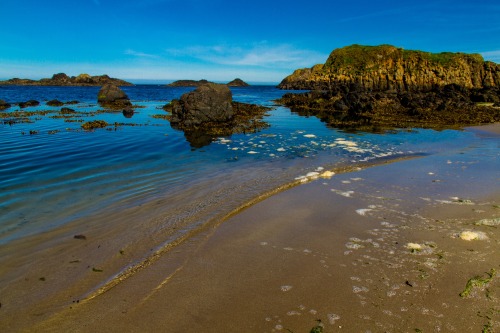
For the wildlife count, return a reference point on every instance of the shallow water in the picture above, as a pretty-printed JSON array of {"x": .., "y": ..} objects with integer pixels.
[{"x": 61, "y": 173}]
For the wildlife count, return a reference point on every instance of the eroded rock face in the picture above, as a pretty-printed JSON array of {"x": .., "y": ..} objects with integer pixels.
[
  {"x": 376, "y": 87},
  {"x": 385, "y": 67},
  {"x": 209, "y": 103},
  {"x": 112, "y": 96}
]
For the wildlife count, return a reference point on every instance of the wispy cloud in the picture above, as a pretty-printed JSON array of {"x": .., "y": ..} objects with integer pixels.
[
  {"x": 141, "y": 54},
  {"x": 259, "y": 55},
  {"x": 491, "y": 55}
]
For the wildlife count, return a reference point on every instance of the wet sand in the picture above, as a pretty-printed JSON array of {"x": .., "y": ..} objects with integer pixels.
[{"x": 337, "y": 250}]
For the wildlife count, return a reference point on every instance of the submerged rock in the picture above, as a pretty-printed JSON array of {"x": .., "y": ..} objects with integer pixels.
[
  {"x": 55, "y": 102},
  {"x": 67, "y": 110},
  {"x": 128, "y": 112},
  {"x": 112, "y": 96},
  {"x": 29, "y": 103}
]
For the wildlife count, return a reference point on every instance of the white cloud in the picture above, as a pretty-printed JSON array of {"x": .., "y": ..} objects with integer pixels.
[
  {"x": 491, "y": 56},
  {"x": 259, "y": 55},
  {"x": 141, "y": 54}
]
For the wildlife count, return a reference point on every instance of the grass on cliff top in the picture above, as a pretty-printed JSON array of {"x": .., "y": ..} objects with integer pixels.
[{"x": 359, "y": 58}]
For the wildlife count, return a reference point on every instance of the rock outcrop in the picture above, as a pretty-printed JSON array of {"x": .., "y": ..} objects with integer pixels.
[
  {"x": 113, "y": 97},
  {"x": 385, "y": 67},
  {"x": 209, "y": 112},
  {"x": 62, "y": 79},
  {"x": 210, "y": 102},
  {"x": 381, "y": 87}
]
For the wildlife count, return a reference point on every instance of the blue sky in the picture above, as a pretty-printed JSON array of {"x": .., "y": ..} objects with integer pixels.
[{"x": 258, "y": 41}]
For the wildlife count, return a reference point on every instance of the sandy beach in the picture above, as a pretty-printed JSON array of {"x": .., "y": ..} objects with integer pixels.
[{"x": 389, "y": 248}]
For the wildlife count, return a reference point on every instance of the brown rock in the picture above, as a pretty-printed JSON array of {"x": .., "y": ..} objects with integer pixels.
[
  {"x": 386, "y": 67},
  {"x": 112, "y": 96},
  {"x": 208, "y": 103}
]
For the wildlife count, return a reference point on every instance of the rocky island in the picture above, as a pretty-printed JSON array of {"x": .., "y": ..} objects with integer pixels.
[
  {"x": 376, "y": 87},
  {"x": 61, "y": 79},
  {"x": 196, "y": 83}
]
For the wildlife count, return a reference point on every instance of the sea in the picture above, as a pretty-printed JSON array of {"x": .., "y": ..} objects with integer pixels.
[{"x": 53, "y": 172}]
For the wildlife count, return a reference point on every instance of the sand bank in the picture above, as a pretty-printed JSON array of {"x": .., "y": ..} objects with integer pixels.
[{"x": 372, "y": 250}]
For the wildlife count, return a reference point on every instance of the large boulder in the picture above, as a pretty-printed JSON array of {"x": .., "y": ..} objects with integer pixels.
[
  {"x": 209, "y": 103},
  {"x": 112, "y": 96}
]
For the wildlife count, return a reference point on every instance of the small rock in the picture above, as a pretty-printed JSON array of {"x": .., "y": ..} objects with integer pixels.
[
  {"x": 128, "y": 112},
  {"x": 4, "y": 105},
  {"x": 29, "y": 103},
  {"x": 55, "y": 102}
]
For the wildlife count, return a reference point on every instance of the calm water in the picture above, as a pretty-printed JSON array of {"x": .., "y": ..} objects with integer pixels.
[{"x": 60, "y": 173}]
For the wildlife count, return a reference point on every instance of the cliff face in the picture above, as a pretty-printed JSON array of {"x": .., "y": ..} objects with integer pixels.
[
  {"x": 385, "y": 67},
  {"x": 62, "y": 79}
]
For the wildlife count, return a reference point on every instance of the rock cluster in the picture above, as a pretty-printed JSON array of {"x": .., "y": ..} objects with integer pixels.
[
  {"x": 353, "y": 107},
  {"x": 62, "y": 79}
]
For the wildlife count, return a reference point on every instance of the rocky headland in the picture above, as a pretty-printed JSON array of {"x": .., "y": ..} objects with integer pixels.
[
  {"x": 209, "y": 111},
  {"x": 62, "y": 79},
  {"x": 196, "y": 83},
  {"x": 377, "y": 87}
]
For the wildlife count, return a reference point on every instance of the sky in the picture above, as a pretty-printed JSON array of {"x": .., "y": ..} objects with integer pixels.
[{"x": 219, "y": 40}]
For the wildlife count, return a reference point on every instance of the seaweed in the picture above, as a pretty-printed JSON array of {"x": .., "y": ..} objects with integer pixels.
[
  {"x": 90, "y": 125},
  {"x": 477, "y": 282}
]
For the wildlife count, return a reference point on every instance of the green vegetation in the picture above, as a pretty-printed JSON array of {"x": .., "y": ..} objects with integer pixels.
[
  {"x": 356, "y": 59},
  {"x": 477, "y": 282}
]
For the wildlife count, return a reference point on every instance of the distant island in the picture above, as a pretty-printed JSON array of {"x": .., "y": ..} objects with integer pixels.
[
  {"x": 62, "y": 79},
  {"x": 376, "y": 87},
  {"x": 196, "y": 83}
]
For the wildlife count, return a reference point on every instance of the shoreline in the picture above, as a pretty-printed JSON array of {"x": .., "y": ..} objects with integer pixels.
[{"x": 222, "y": 276}]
